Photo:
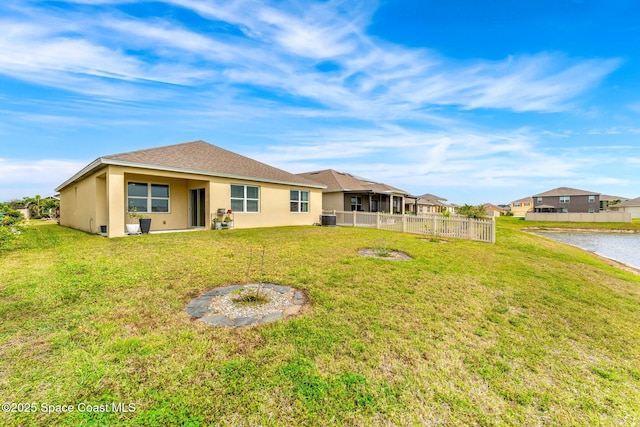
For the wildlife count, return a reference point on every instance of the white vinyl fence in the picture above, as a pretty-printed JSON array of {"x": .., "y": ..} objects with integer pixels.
[{"x": 455, "y": 226}]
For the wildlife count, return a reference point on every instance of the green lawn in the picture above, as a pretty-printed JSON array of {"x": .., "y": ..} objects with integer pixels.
[
  {"x": 512, "y": 222},
  {"x": 524, "y": 332}
]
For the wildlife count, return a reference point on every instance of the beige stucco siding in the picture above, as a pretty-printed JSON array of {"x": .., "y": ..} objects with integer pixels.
[
  {"x": 633, "y": 210},
  {"x": 178, "y": 215},
  {"x": 101, "y": 199},
  {"x": 520, "y": 211},
  {"x": 333, "y": 201},
  {"x": 79, "y": 202},
  {"x": 273, "y": 207}
]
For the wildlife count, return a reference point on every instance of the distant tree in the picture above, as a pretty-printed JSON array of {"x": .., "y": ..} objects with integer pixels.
[
  {"x": 39, "y": 206},
  {"x": 470, "y": 211},
  {"x": 49, "y": 206},
  {"x": 36, "y": 207},
  {"x": 15, "y": 204}
]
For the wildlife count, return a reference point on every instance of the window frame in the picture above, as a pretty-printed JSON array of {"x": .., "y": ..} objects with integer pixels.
[
  {"x": 245, "y": 199},
  {"x": 358, "y": 203},
  {"x": 592, "y": 199},
  {"x": 149, "y": 197},
  {"x": 299, "y": 201},
  {"x": 565, "y": 199}
]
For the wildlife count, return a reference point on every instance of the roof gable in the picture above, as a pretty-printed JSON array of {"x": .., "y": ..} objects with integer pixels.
[
  {"x": 628, "y": 203},
  {"x": 198, "y": 157},
  {"x": 566, "y": 191},
  {"x": 342, "y": 181},
  {"x": 524, "y": 200}
]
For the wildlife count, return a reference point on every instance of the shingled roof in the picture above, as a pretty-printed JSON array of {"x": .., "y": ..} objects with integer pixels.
[
  {"x": 341, "y": 181},
  {"x": 628, "y": 203},
  {"x": 566, "y": 191},
  {"x": 524, "y": 200},
  {"x": 198, "y": 157}
]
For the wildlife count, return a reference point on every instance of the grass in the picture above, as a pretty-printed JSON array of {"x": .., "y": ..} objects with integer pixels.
[
  {"x": 517, "y": 223},
  {"x": 251, "y": 299},
  {"x": 523, "y": 332}
]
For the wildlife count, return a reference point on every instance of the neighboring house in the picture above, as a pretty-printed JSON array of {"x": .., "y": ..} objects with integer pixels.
[
  {"x": 522, "y": 206},
  {"x": 493, "y": 210},
  {"x": 346, "y": 192},
  {"x": 564, "y": 199},
  {"x": 416, "y": 205},
  {"x": 427, "y": 203},
  {"x": 184, "y": 186},
  {"x": 631, "y": 206},
  {"x": 607, "y": 200}
]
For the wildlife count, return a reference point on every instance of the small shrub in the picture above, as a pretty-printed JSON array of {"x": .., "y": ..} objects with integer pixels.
[
  {"x": 475, "y": 212},
  {"x": 8, "y": 234},
  {"x": 251, "y": 299},
  {"x": 9, "y": 217}
]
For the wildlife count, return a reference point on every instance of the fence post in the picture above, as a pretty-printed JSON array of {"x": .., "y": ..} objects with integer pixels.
[
  {"x": 378, "y": 220},
  {"x": 472, "y": 229},
  {"x": 493, "y": 230},
  {"x": 354, "y": 218},
  {"x": 404, "y": 223}
]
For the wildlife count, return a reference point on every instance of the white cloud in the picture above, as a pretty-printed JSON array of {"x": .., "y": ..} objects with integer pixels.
[
  {"x": 404, "y": 113},
  {"x": 113, "y": 55},
  {"x": 419, "y": 160},
  {"x": 22, "y": 178}
]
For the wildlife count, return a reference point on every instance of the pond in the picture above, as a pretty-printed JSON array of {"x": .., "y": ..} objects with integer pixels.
[{"x": 622, "y": 247}]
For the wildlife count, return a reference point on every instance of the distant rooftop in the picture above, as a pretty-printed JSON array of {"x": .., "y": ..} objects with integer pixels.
[
  {"x": 341, "y": 181},
  {"x": 566, "y": 191}
]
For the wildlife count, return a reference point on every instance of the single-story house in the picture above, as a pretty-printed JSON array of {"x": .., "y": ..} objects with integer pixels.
[
  {"x": 185, "y": 186},
  {"x": 631, "y": 206},
  {"x": 346, "y": 192},
  {"x": 607, "y": 200},
  {"x": 493, "y": 210},
  {"x": 427, "y": 203},
  {"x": 521, "y": 206}
]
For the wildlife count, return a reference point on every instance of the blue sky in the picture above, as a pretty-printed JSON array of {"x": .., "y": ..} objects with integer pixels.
[{"x": 475, "y": 101}]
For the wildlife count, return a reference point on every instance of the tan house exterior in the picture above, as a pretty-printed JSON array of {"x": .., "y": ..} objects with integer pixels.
[
  {"x": 493, "y": 210},
  {"x": 345, "y": 192},
  {"x": 520, "y": 207},
  {"x": 427, "y": 204},
  {"x": 631, "y": 206},
  {"x": 607, "y": 200},
  {"x": 184, "y": 186}
]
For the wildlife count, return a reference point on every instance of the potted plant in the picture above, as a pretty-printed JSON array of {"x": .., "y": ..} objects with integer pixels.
[
  {"x": 217, "y": 225},
  {"x": 144, "y": 223},
  {"x": 132, "y": 227},
  {"x": 229, "y": 218}
]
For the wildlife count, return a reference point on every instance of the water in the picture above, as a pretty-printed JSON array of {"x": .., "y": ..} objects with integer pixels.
[{"x": 624, "y": 248}]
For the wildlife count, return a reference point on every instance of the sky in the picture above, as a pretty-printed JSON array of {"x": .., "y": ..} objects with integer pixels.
[{"x": 472, "y": 100}]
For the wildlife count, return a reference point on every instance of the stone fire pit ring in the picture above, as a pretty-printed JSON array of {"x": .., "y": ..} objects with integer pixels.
[{"x": 217, "y": 308}]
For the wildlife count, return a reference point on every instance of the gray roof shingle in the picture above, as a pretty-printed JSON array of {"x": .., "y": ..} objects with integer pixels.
[
  {"x": 199, "y": 157},
  {"x": 342, "y": 181},
  {"x": 566, "y": 191}
]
